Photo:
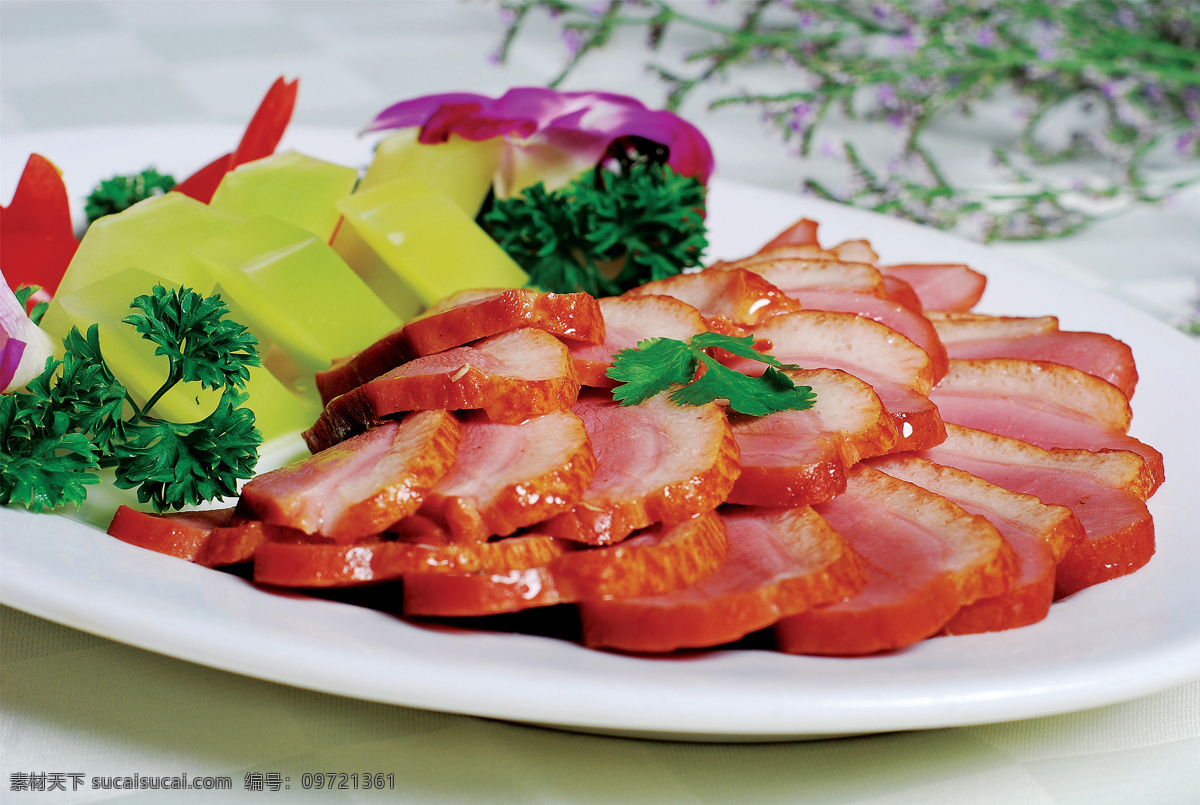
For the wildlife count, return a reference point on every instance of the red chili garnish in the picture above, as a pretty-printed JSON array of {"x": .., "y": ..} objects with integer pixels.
[
  {"x": 37, "y": 240},
  {"x": 260, "y": 140}
]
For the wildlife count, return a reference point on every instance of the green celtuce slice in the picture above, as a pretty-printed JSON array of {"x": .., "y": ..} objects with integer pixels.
[
  {"x": 462, "y": 169},
  {"x": 155, "y": 235},
  {"x": 106, "y": 303},
  {"x": 290, "y": 186},
  {"x": 294, "y": 292},
  {"x": 425, "y": 244}
]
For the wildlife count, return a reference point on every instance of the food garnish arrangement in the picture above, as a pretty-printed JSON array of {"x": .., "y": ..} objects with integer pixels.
[{"x": 525, "y": 394}]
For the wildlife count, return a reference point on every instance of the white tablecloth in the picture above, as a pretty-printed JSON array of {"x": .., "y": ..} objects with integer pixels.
[{"x": 75, "y": 704}]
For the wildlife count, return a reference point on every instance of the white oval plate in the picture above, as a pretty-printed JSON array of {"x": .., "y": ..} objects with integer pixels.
[{"x": 1123, "y": 639}]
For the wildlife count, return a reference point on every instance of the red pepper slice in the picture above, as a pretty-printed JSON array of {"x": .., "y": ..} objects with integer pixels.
[
  {"x": 37, "y": 240},
  {"x": 260, "y": 140}
]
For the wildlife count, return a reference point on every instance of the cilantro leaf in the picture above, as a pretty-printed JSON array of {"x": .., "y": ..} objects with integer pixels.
[
  {"x": 173, "y": 465},
  {"x": 192, "y": 332},
  {"x": 657, "y": 364},
  {"x": 653, "y": 366}
]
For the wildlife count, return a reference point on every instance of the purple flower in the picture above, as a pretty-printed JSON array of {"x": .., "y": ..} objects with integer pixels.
[
  {"x": 551, "y": 136},
  {"x": 887, "y": 95},
  {"x": 24, "y": 346},
  {"x": 1186, "y": 143},
  {"x": 986, "y": 37}
]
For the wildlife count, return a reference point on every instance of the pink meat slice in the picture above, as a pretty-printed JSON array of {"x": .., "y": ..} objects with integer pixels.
[
  {"x": 655, "y": 462},
  {"x": 363, "y": 485},
  {"x": 925, "y": 558},
  {"x": 1043, "y": 403},
  {"x": 972, "y": 335},
  {"x": 509, "y": 476},
  {"x": 780, "y": 562},
  {"x": 511, "y": 376},
  {"x": 793, "y": 458},
  {"x": 898, "y": 370},
  {"x": 629, "y": 320},
  {"x": 1040, "y": 534},
  {"x": 903, "y": 320},
  {"x": 461, "y": 319},
  {"x": 728, "y": 300},
  {"x": 790, "y": 270},
  {"x": 1118, "y": 528},
  {"x": 941, "y": 287}
]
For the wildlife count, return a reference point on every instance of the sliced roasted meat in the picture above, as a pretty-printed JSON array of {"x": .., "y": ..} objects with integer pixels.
[
  {"x": 181, "y": 534},
  {"x": 790, "y": 274},
  {"x": 1041, "y": 535},
  {"x": 973, "y": 335},
  {"x": 655, "y": 462},
  {"x": 794, "y": 458},
  {"x": 900, "y": 291},
  {"x": 654, "y": 561},
  {"x": 373, "y": 560},
  {"x": 657, "y": 560},
  {"x": 629, "y": 320},
  {"x": 1047, "y": 404},
  {"x": 941, "y": 286},
  {"x": 925, "y": 558},
  {"x": 461, "y": 319},
  {"x": 909, "y": 323},
  {"x": 899, "y": 371},
  {"x": 801, "y": 233},
  {"x": 511, "y": 376},
  {"x": 509, "y": 476},
  {"x": 362, "y": 485},
  {"x": 1104, "y": 490},
  {"x": 730, "y": 301},
  {"x": 780, "y": 562}
]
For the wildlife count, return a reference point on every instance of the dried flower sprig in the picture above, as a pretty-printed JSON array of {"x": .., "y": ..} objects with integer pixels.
[{"x": 1129, "y": 72}]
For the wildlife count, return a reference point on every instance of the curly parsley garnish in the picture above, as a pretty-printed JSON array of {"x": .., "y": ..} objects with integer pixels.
[
  {"x": 657, "y": 364},
  {"x": 121, "y": 192},
  {"x": 607, "y": 231},
  {"x": 77, "y": 418}
]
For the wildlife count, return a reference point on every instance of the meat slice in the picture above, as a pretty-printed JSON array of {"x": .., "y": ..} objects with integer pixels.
[
  {"x": 511, "y": 376},
  {"x": 909, "y": 323},
  {"x": 730, "y": 301},
  {"x": 1041, "y": 534},
  {"x": 973, "y": 335},
  {"x": 788, "y": 273},
  {"x": 629, "y": 320},
  {"x": 951, "y": 287},
  {"x": 899, "y": 371},
  {"x": 461, "y": 319},
  {"x": 1046, "y": 404},
  {"x": 900, "y": 291},
  {"x": 794, "y": 458},
  {"x": 802, "y": 233},
  {"x": 375, "y": 560},
  {"x": 363, "y": 485},
  {"x": 655, "y": 462},
  {"x": 925, "y": 559},
  {"x": 509, "y": 476},
  {"x": 780, "y": 562},
  {"x": 653, "y": 561},
  {"x": 181, "y": 534},
  {"x": 1102, "y": 489}
]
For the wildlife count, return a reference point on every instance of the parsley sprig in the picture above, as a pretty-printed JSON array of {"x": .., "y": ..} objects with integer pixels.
[
  {"x": 77, "y": 418},
  {"x": 605, "y": 232},
  {"x": 657, "y": 364},
  {"x": 119, "y": 193}
]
